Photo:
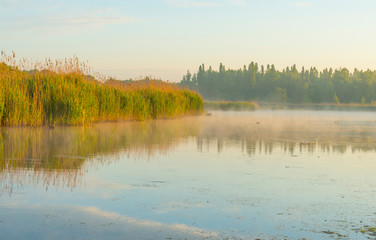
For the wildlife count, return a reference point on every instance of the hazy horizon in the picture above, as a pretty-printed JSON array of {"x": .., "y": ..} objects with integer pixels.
[{"x": 165, "y": 38}]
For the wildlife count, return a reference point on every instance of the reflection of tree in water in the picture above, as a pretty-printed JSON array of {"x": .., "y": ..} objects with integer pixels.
[
  {"x": 61, "y": 156},
  {"x": 58, "y": 156},
  {"x": 289, "y": 135}
]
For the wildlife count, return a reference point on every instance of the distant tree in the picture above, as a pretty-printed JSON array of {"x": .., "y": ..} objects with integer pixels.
[{"x": 288, "y": 85}]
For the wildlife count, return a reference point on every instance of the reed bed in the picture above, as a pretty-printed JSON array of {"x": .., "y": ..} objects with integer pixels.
[{"x": 63, "y": 95}]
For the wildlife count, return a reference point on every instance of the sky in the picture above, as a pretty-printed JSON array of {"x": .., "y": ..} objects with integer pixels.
[{"x": 165, "y": 38}]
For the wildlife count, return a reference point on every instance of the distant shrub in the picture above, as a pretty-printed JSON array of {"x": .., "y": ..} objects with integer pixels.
[{"x": 230, "y": 106}]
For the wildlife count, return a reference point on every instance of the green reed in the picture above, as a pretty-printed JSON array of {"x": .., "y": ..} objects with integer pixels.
[{"x": 60, "y": 98}]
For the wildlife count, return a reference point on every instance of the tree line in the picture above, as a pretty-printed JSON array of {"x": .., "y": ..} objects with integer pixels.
[{"x": 254, "y": 83}]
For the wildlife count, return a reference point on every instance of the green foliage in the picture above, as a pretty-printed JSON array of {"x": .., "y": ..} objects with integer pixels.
[
  {"x": 363, "y": 101},
  {"x": 228, "y": 106},
  {"x": 336, "y": 99},
  {"x": 46, "y": 97},
  {"x": 289, "y": 85}
]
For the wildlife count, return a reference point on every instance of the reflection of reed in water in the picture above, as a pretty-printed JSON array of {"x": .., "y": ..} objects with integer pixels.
[
  {"x": 58, "y": 156},
  {"x": 61, "y": 156}
]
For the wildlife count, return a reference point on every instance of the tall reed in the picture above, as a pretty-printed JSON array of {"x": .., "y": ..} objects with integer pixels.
[{"x": 64, "y": 95}]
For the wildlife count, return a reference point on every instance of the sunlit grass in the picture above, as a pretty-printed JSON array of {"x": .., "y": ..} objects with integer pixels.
[{"x": 58, "y": 93}]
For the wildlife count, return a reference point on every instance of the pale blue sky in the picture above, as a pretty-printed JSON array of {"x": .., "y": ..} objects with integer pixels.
[{"x": 164, "y": 38}]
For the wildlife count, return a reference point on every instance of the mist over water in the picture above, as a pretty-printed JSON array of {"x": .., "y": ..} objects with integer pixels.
[{"x": 263, "y": 174}]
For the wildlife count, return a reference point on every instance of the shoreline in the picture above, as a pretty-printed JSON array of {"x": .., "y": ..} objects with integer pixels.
[
  {"x": 352, "y": 107},
  {"x": 254, "y": 106}
]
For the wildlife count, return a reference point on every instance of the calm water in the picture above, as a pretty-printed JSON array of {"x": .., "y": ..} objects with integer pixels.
[{"x": 264, "y": 174}]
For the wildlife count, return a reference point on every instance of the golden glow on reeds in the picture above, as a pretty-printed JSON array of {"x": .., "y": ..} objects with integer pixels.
[{"x": 61, "y": 94}]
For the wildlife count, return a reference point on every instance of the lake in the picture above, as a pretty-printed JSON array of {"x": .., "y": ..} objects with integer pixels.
[{"x": 228, "y": 175}]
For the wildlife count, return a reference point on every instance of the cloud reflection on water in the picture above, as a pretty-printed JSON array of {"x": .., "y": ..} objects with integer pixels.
[{"x": 68, "y": 222}]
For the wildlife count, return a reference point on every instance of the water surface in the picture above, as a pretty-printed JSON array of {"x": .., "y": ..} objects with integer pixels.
[{"x": 236, "y": 175}]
